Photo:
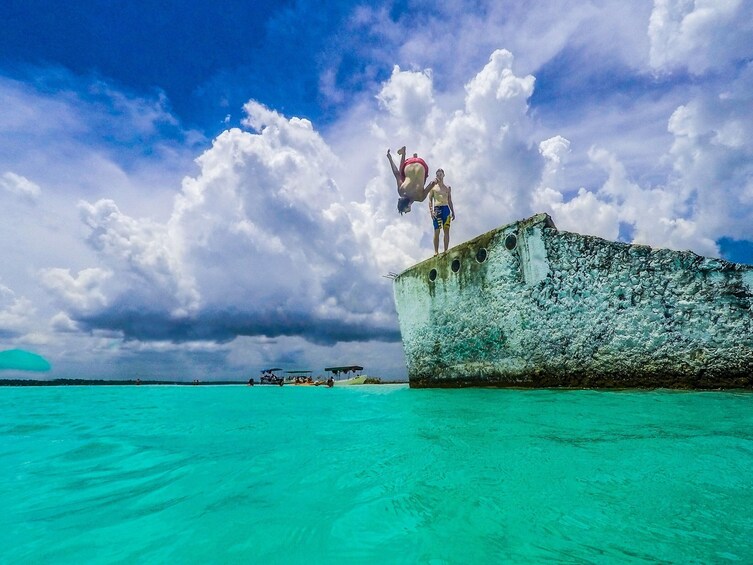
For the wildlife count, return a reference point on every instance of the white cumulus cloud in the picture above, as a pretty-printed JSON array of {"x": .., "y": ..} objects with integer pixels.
[
  {"x": 16, "y": 313},
  {"x": 19, "y": 185},
  {"x": 712, "y": 155},
  {"x": 81, "y": 293},
  {"x": 700, "y": 34},
  {"x": 259, "y": 243}
]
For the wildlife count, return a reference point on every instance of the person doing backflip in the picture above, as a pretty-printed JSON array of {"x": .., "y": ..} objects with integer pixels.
[
  {"x": 410, "y": 177},
  {"x": 441, "y": 210}
]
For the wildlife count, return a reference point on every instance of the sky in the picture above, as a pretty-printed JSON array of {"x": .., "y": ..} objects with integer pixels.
[{"x": 200, "y": 190}]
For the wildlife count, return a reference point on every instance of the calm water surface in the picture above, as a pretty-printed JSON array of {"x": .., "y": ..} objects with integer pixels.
[{"x": 373, "y": 474}]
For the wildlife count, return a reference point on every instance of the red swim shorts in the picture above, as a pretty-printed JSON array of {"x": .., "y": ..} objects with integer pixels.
[{"x": 410, "y": 162}]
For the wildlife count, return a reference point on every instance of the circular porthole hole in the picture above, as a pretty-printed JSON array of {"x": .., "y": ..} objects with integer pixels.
[
  {"x": 481, "y": 255},
  {"x": 433, "y": 275},
  {"x": 511, "y": 242},
  {"x": 455, "y": 266}
]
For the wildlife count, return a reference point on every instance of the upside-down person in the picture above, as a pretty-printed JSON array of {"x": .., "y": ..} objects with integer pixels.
[{"x": 410, "y": 177}]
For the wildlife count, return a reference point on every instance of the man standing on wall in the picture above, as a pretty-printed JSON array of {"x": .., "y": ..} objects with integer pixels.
[{"x": 441, "y": 210}]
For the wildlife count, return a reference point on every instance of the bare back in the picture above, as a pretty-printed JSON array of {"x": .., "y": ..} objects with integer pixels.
[{"x": 413, "y": 185}]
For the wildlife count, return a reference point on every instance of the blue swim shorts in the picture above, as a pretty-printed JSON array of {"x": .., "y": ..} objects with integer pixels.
[{"x": 441, "y": 217}]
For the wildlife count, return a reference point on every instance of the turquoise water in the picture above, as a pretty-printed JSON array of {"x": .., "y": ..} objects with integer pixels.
[{"x": 373, "y": 474}]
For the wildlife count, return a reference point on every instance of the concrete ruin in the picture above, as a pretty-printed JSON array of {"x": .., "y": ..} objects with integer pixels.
[{"x": 527, "y": 305}]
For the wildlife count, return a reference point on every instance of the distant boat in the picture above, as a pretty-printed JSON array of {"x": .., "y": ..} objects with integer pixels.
[
  {"x": 299, "y": 378},
  {"x": 357, "y": 379},
  {"x": 527, "y": 305},
  {"x": 269, "y": 377}
]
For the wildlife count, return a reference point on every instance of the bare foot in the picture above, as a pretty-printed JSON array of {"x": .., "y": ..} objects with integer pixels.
[{"x": 401, "y": 151}]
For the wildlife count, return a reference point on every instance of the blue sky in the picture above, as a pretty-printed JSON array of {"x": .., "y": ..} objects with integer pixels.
[
  {"x": 207, "y": 59},
  {"x": 199, "y": 191}
]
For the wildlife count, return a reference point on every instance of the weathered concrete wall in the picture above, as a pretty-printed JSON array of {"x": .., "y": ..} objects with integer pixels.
[{"x": 560, "y": 309}]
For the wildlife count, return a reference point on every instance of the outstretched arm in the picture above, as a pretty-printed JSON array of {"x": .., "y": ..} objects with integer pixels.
[{"x": 427, "y": 190}]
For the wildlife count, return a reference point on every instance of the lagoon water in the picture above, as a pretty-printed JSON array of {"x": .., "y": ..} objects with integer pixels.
[{"x": 373, "y": 474}]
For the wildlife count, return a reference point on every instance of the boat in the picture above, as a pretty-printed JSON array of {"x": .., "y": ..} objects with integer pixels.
[
  {"x": 345, "y": 370},
  {"x": 299, "y": 378},
  {"x": 269, "y": 377},
  {"x": 357, "y": 380},
  {"x": 528, "y": 305}
]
